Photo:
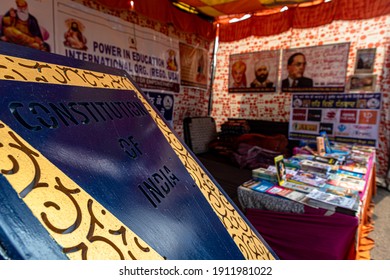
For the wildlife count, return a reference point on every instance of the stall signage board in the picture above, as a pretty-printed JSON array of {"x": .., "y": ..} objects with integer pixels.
[
  {"x": 90, "y": 170},
  {"x": 348, "y": 118}
]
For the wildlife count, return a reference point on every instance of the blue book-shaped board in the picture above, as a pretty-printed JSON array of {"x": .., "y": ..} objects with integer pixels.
[{"x": 90, "y": 170}]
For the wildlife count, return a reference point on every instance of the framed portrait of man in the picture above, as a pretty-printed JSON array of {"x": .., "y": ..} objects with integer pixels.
[
  {"x": 315, "y": 69},
  {"x": 365, "y": 59},
  {"x": 254, "y": 72}
]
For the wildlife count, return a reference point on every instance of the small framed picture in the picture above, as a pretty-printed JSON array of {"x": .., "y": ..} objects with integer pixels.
[
  {"x": 365, "y": 59},
  {"x": 362, "y": 83}
]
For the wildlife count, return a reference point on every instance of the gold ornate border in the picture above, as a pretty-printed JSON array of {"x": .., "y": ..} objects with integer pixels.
[
  {"x": 19, "y": 69},
  {"x": 82, "y": 226}
]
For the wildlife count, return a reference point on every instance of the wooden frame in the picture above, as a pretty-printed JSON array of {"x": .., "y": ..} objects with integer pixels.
[
  {"x": 365, "y": 60},
  {"x": 362, "y": 83}
]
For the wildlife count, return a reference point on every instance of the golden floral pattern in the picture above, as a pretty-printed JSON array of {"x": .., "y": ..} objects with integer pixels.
[
  {"x": 82, "y": 226},
  {"x": 23, "y": 70}
]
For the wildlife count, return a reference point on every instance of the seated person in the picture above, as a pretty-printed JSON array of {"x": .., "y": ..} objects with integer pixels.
[{"x": 22, "y": 28}]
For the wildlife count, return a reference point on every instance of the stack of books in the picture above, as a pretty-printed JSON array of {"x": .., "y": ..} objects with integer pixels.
[
  {"x": 334, "y": 202},
  {"x": 346, "y": 181},
  {"x": 333, "y": 181},
  {"x": 307, "y": 178},
  {"x": 264, "y": 174},
  {"x": 315, "y": 166}
]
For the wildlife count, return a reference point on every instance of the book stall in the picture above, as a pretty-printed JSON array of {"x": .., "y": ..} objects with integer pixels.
[{"x": 315, "y": 204}]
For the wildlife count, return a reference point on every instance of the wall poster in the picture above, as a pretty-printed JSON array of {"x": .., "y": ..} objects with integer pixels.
[
  {"x": 345, "y": 117},
  {"x": 254, "y": 72},
  {"x": 365, "y": 59},
  {"x": 164, "y": 103},
  {"x": 315, "y": 69},
  {"x": 194, "y": 66},
  {"x": 362, "y": 82},
  {"x": 68, "y": 28}
]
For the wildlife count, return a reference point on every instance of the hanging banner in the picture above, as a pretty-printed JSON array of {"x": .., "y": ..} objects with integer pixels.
[
  {"x": 348, "y": 118},
  {"x": 315, "y": 69},
  {"x": 150, "y": 57},
  {"x": 194, "y": 65},
  {"x": 254, "y": 72}
]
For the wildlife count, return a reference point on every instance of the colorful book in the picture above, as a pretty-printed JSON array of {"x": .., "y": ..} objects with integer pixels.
[
  {"x": 290, "y": 171},
  {"x": 346, "y": 181},
  {"x": 303, "y": 188},
  {"x": 340, "y": 191},
  {"x": 262, "y": 186},
  {"x": 351, "y": 174},
  {"x": 280, "y": 169},
  {"x": 328, "y": 148},
  {"x": 274, "y": 190},
  {"x": 287, "y": 193},
  {"x": 309, "y": 165},
  {"x": 336, "y": 200},
  {"x": 304, "y": 177},
  {"x": 326, "y": 160},
  {"x": 354, "y": 167},
  {"x": 321, "y": 145},
  {"x": 264, "y": 174}
]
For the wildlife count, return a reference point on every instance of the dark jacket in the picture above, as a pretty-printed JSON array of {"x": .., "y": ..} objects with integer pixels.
[{"x": 302, "y": 83}]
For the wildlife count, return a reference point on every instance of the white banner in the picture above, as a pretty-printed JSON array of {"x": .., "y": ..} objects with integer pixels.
[
  {"x": 150, "y": 57},
  {"x": 348, "y": 118}
]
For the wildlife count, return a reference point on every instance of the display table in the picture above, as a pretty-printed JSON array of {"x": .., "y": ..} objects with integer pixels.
[{"x": 296, "y": 231}]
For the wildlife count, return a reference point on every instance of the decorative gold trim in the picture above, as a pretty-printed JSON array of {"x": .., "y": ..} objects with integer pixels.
[
  {"x": 24, "y": 70},
  {"x": 82, "y": 226}
]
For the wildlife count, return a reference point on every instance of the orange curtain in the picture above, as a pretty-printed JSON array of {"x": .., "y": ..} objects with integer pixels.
[
  {"x": 256, "y": 26},
  {"x": 304, "y": 17}
]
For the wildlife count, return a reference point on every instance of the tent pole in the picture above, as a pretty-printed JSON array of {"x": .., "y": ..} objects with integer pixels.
[{"x": 213, "y": 66}]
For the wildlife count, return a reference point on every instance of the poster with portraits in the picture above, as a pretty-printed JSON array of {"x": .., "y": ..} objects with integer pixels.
[
  {"x": 254, "y": 72},
  {"x": 315, "y": 69},
  {"x": 345, "y": 117}
]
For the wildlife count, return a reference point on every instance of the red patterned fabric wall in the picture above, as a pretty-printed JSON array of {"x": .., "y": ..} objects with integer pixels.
[{"x": 371, "y": 33}]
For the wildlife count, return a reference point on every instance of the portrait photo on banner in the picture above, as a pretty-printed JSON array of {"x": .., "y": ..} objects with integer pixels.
[
  {"x": 315, "y": 69},
  {"x": 254, "y": 72}
]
